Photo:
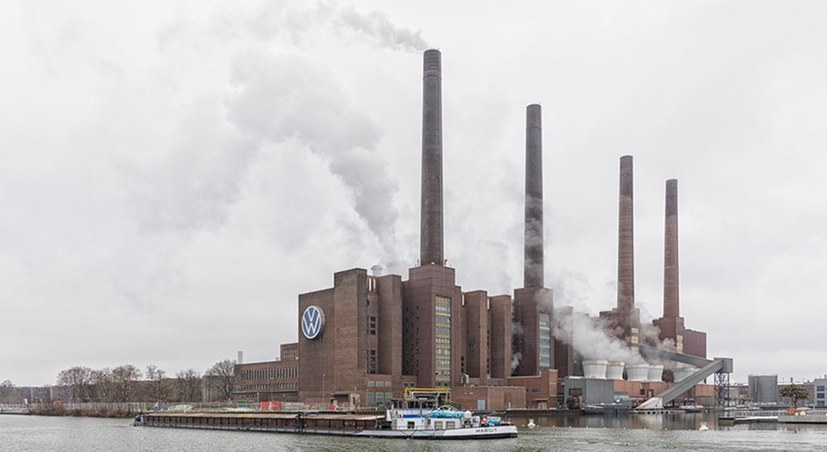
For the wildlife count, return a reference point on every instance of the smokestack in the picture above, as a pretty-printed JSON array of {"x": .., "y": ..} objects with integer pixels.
[
  {"x": 533, "y": 270},
  {"x": 626, "y": 244},
  {"x": 430, "y": 239},
  {"x": 671, "y": 305}
]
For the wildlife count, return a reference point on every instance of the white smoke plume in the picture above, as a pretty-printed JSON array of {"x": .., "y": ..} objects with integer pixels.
[
  {"x": 273, "y": 99},
  {"x": 284, "y": 97},
  {"x": 515, "y": 360},
  {"x": 296, "y": 19},
  {"x": 382, "y": 29},
  {"x": 590, "y": 337}
]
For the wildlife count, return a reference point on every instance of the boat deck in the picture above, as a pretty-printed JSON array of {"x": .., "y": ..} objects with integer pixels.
[{"x": 320, "y": 424}]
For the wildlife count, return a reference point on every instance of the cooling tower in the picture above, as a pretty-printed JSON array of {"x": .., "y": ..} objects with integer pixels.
[
  {"x": 655, "y": 372},
  {"x": 615, "y": 370},
  {"x": 637, "y": 372},
  {"x": 595, "y": 368}
]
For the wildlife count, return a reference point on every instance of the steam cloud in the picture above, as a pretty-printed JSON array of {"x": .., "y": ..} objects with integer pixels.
[
  {"x": 279, "y": 98},
  {"x": 274, "y": 99},
  {"x": 380, "y": 27}
]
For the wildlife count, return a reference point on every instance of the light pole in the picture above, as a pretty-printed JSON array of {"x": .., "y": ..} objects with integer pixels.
[{"x": 324, "y": 396}]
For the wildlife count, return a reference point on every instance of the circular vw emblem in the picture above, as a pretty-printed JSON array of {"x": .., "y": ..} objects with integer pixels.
[{"x": 312, "y": 322}]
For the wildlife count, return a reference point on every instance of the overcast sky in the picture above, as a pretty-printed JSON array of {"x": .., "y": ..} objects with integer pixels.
[{"x": 174, "y": 174}]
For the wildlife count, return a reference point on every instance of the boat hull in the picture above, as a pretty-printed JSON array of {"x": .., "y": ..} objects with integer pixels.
[{"x": 500, "y": 431}]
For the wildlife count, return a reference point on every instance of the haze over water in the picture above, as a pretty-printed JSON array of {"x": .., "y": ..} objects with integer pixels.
[{"x": 672, "y": 432}]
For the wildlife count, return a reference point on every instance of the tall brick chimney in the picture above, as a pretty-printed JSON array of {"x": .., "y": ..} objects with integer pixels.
[
  {"x": 533, "y": 263},
  {"x": 626, "y": 244},
  {"x": 431, "y": 236},
  {"x": 671, "y": 292}
]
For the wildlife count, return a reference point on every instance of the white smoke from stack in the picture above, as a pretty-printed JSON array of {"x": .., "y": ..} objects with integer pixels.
[
  {"x": 515, "y": 360},
  {"x": 287, "y": 97},
  {"x": 378, "y": 25},
  {"x": 297, "y": 19},
  {"x": 273, "y": 100},
  {"x": 590, "y": 337}
]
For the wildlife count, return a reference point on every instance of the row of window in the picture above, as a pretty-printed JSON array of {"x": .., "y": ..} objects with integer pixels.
[
  {"x": 268, "y": 387},
  {"x": 379, "y": 384},
  {"x": 545, "y": 340},
  {"x": 443, "y": 340},
  {"x": 379, "y": 398},
  {"x": 270, "y": 374},
  {"x": 371, "y": 361}
]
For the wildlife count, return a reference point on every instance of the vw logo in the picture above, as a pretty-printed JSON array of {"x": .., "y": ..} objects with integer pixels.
[{"x": 312, "y": 322}]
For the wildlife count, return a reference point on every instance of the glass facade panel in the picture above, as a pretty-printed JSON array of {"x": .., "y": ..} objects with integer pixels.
[
  {"x": 443, "y": 341},
  {"x": 545, "y": 341}
]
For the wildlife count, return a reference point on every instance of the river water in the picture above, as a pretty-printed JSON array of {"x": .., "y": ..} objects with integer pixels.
[{"x": 593, "y": 433}]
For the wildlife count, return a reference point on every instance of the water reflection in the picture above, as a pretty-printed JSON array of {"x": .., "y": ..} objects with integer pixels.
[{"x": 663, "y": 421}]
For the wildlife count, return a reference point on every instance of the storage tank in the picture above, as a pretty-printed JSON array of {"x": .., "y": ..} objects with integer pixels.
[
  {"x": 680, "y": 373},
  {"x": 615, "y": 370},
  {"x": 763, "y": 388},
  {"x": 655, "y": 372},
  {"x": 637, "y": 372},
  {"x": 595, "y": 368}
]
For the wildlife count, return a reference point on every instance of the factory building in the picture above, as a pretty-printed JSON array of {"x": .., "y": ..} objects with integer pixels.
[{"x": 370, "y": 336}]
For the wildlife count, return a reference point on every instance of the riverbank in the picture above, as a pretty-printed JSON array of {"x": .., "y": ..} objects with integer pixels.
[{"x": 100, "y": 413}]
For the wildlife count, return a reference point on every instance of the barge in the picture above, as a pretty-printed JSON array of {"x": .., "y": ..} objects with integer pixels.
[{"x": 409, "y": 423}]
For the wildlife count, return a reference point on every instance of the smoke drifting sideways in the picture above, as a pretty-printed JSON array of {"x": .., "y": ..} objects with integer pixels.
[
  {"x": 590, "y": 337},
  {"x": 287, "y": 97},
  {"x": 272, "y": 99},
  {"x": 296, "y": 19}
]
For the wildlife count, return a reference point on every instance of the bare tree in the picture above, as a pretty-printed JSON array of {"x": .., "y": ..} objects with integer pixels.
[
  {"x": 104, "y": 384},
  {"x": 160, "y": 389},
  {"x": 79, "y": 380},
  {"x": 8, "y": 393},
  {"x": 189, "y": 385},
  {"x": 124, "y": 378},
  {"x": 221, "y": 376}
]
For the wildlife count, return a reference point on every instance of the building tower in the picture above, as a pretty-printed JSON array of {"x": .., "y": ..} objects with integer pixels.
[
  {"x": 625, "y": 318},
  {"x": 431, "y": 234},
  {"x": 532, "y": 343},
  {"x": 671, "y": 325},
  {"x": 431, "y": 300}
]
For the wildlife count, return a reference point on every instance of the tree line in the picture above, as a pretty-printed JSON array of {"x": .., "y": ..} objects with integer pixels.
[{"x": 128, "y": 383}]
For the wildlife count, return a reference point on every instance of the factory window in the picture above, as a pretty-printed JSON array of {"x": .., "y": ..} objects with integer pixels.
[
  {"x": 371, "y": 383},
  {"x": 819, "y": 388},
  {"x": 380, "y": 398},
  {"x": 544, "y": 341},
  {"x": 370, "y": 399},
  {"x": 371, "y": 325},
  {"x": 388, "y": 396},
  {"x": 820, "y": 395},
  {"x": 443, "y": 341},
  {"x": 371, "y": 361}
]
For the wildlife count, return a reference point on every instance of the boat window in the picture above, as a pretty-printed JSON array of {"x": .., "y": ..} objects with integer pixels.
[{"x": 411, "y": 425}]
